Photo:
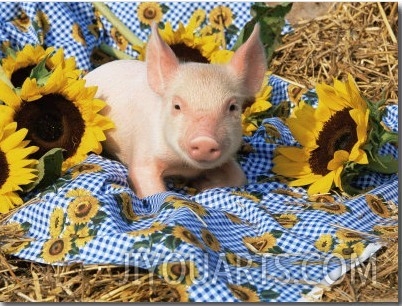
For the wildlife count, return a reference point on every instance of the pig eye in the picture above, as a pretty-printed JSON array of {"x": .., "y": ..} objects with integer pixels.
[
  {"x": 232, "y": 107},
  {"x": 177, "y": 106}
]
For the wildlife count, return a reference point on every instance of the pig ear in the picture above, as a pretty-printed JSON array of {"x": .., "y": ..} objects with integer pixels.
[
  {"x": 249, "y": 62},
  {"x": 161, "y": 62}
]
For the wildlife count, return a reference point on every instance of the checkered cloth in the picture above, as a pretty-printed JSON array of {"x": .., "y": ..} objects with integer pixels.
[{"x": 258, "y": 242}]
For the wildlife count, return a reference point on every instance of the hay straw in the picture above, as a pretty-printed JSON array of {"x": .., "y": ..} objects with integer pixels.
[{"x": 357, "y": 38}]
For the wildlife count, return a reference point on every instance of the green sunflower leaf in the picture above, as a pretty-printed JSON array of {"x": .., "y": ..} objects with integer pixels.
[
  {"x": 140, "y": 244},
  {"x": 272, "y": 21},
  {"x": 74, "y": 250},
  {"x": 276, "y": 250},
  {"x": 49, "y": 169},
  {"x": 99, "y": 217},
  {"x": 40, "y": 72},
  {"x": 172, "y": 242},
  {"x": 157, "y": 237},
  {"x": 276, "y": 233},
  {"x": 269, "y": 294},
  {"x": 25, "y": 226}
]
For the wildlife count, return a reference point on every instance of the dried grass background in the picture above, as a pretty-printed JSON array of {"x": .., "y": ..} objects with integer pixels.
[{"x": 356, "y": 38}]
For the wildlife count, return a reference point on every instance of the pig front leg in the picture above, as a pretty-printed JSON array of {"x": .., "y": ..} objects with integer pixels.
[
  {"x": 146, "y": 181},
  {"x": 229, "y": 174}
]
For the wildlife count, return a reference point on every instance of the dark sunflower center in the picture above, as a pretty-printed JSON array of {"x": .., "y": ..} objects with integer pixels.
[
  {"x": 149, "y": 13},
  {"x": 5, "y": 170},
  {"x": 347, "y": 251},
  {"x": 83, "y": 209},
  {"x": 240, "y": 294},
  {"x": 333, "y": 207},
  {"x": 210, "y": 240},
  {"x": 178, "y": 269},
  {"x": 52, "y": 122},
  {"x": 19, "y": 76},
  {"x": 189, "y": 236},
  {"x": 338, "y": 133},
  {"x": 377, "y": 205},
  {"x": 57, "y": 247},
  {"x": 187, "y": 54},
  {"x": 259, "y": 245}
]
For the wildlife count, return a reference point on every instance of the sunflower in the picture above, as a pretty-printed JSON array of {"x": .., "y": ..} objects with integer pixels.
[
  {"x": 287, "y": 220},
  {"x": 84, "y": 169},
  {"x": 187, "y": 44},
  {"x": 179, "y": 272},
  {"x": 82, "y": 209},
  {"x": 194, "y": 206},
  {"x": 57, "y": 219},
  {"x": 180, "y": 292},
  {"x": 386, "y": 231},
  {"x": 321, "y": 198},
  {"x": 155, "y": 227},
  {"x": 16, "y": 169},
  {"x": 377, "y": 205},
  {"x": 14, "y": 247},
  {"x": 324, "y": 243},
  {"x": 331, "y": 136},
  {"x": 42, "y": 19},
  {"x": 17, "y": 68},
  {"x": 62, "y": 113},
  {"x": 235, "y": 219},
  {"x": 247, "y": 195},
  {"x": 254, "y": 114},
  {"x": 22, "y": 21},
  {"x": 243, "y": 293},
  {"x": 119, "y": 39},
  {"x": 127, "y": 207},
  {"x": 348, "y": 236},
  {"x": 239, "y": 261},
  {"x": 55, "y": 249},
  {"x": 260, "y": 244},
  {"x": 77, "y": 192},
  {"x": 78, "y": 235},
  {"x": 333, "y": 208},
  {"x": 149, "y": 12},
  {"x": 347, "y": 251},
  {"x": 77, "y": 34},
  {"x": 210, "y": 240},
  {"x": 220, "y": 17},
  {"x": 186, "y": 235}
]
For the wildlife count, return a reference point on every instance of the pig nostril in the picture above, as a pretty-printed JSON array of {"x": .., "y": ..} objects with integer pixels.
[{"x": 204, "y": 149}]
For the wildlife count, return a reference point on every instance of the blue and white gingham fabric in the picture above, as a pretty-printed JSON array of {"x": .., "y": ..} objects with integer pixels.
[{"x": 103, "y": 222}]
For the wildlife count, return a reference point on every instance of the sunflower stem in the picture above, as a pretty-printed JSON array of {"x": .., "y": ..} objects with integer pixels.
[
  {"x": 388, "y": 137},
  {"x": 116, "y": 22},
  {"x": 114, "y": 52},
  {"x": 383, "y": 164}
]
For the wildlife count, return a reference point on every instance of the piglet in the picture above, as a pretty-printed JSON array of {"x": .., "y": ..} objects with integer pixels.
[{"x": 178, "y": 119}]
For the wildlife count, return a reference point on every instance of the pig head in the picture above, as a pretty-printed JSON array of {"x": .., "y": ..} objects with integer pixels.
[{"x": 179, "y": 119}]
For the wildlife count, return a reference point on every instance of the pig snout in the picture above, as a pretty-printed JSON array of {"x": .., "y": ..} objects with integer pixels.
[{"x": 204, "y": 149}]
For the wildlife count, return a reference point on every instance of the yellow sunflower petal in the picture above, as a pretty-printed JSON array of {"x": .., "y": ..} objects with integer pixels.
[
  {"x": 322, "y": 185},
  {"x": 294, "y": 153},
  {"x": 8, "y": 96},
  {"x": 13, "y": 140},
  {"x": 30, "y": 90}
]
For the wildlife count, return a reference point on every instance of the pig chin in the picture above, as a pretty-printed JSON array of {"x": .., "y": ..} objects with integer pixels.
[{"x": 207, "y": 164}]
